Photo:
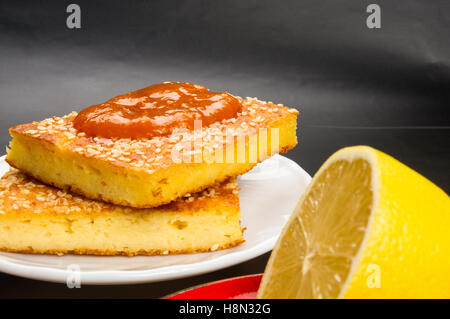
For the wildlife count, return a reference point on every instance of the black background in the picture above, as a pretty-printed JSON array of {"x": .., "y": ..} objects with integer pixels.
[{"x": 388, "y": 88}]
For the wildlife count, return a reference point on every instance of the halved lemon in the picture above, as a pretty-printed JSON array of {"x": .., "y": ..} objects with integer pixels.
[{"x": 367, "y": 226}]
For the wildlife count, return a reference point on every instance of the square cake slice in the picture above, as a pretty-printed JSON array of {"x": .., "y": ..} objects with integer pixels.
[
  {"x": 36, "y": 218},
  {"x": 149, "y": 172}
]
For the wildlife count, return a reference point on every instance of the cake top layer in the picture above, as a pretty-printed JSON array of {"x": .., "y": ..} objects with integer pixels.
[
  {"x": 20, "y": 194},
  {"x": 151, "y": 154}
]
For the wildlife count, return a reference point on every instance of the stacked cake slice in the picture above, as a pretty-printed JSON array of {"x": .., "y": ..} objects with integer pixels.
[{"x": 73, "y": 193}]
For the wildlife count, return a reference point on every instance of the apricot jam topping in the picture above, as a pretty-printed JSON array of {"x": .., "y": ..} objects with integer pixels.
[{"x": 156, "y": 111}]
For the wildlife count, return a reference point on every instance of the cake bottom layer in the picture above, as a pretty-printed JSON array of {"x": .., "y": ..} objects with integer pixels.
[{"x": 36, "y": 218}]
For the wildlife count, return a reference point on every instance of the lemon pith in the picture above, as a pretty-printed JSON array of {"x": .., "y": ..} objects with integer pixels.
[{"x": 366, "y": 227}]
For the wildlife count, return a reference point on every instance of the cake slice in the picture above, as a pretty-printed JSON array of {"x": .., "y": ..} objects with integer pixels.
[
  {"x": 35, "y": 218},
  {"x": 149, "y": 172}
]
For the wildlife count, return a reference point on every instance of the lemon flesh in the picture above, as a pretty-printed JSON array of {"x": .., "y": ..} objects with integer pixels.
[{"x": 366, "y": 227}]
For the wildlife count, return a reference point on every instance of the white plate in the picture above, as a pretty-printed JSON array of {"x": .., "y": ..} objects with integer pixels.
[{"x": 267, "y": 194}]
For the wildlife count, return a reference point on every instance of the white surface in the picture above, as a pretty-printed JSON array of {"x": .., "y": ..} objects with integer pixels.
[{"x": 267, "y": 194}]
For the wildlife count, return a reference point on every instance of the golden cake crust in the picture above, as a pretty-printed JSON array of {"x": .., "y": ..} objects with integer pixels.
[
  {"x": 27, "y": 196},
  {"x": 142, "y": 252}
]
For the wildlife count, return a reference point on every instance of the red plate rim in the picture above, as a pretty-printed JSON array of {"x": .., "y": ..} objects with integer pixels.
[{"x": 242, "y": 287}]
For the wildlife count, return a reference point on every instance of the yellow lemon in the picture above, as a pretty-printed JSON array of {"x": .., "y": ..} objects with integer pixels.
[{"x": 367, "y": 226}]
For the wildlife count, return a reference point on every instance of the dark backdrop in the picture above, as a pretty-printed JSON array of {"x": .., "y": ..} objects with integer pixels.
[{"x": 388, "y": 88}]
